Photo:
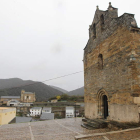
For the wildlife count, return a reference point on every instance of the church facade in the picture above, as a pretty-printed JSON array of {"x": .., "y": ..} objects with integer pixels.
[
  {"x": 27, "y": 97},
  {"x": 112, "y": 67}
]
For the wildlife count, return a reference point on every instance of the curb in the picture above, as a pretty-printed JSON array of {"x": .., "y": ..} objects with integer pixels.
[{"x": 101, "y": 134}]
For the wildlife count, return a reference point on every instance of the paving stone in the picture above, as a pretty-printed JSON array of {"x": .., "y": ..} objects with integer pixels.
[{"x": 62, "y": 129}]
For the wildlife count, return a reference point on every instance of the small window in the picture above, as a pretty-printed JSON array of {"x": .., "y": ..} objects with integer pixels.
[{"x": 100, "y": 61}]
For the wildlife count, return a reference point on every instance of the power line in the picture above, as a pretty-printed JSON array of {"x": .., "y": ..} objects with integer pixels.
[
  {"x": 62, "y": 76},
  {"x": 42, "y": 81}
]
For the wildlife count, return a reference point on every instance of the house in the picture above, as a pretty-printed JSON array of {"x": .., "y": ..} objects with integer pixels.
[
  {"x": 70, "y": 112},
  {"x": 54, "y": 101},
  {"x": 35, "y": 111},
  {"x": 112, "y": 67},
  {"x": 59, "y": 112},
  {"x": 46, "y": 110},
  {"x": 7, "y": 115},
  {"x": 13, "y": 102}
]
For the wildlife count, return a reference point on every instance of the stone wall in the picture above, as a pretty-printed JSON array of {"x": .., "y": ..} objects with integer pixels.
[
  {"x": 124, "y": 113},
  {"x": 91, "y": 110}
]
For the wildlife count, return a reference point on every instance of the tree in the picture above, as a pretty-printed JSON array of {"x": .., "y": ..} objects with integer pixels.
[
  {"x": 64, "y": 97},
  {"x": 58, "y": 97}
]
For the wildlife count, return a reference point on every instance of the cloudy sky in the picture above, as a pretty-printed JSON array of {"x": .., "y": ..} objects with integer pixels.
[{"x": 44, "y": 39}]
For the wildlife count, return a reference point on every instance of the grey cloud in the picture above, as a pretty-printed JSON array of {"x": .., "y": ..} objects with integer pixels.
[{"x": 57, "y": 48}]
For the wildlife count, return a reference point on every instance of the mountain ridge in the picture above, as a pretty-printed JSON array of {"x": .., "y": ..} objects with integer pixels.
[
  {"x": 13, "y": 87},
  {"x": 77, "y": 92},
  {"x": 58, "y": 88}
]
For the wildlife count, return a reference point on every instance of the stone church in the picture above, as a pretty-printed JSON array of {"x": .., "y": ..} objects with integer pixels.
[
  {"x": 112, "y": 67},
  {"x": 27, "y": 97}
]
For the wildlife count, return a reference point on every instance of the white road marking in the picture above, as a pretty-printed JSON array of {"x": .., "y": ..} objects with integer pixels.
[
  {"x": 105, "y": 138},
  {"x": 32, "y": 137},
  {"x": 68, "y": 128},
  {"x": 55, "y": 134},
  {"x": 61, "y": 133}
]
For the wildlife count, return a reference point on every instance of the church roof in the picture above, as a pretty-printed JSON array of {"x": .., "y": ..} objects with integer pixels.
[
  {"x": 28, "y": 93},
  {"x": 11, "y": 97},
  {"x": 36, "y": 108}
]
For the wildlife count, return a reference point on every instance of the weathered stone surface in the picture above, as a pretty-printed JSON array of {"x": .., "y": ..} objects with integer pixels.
[{"x": 112, "y": 66}]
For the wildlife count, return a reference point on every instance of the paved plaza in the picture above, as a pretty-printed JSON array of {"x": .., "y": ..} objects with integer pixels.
[{"x": 60, "y": 129}]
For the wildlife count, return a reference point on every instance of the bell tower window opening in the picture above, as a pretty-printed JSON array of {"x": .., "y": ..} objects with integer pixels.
[
  {"x": 102, "y": 22},
  {"x": 94, "y": 30}
]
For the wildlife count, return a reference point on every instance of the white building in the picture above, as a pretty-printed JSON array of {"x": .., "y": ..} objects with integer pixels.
[
  {"x": 35, "y": 111},
  {"x": 46, "y": 110},
  {"x": 13, "y": 103},
  {"x": 70, "y": 112}
]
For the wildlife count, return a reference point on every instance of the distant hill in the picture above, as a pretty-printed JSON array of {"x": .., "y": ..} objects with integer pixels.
[
  {"x": 42, "y": 91},
  {"x": 79, "y": 91},
  {"x": 60, "y": 89}
]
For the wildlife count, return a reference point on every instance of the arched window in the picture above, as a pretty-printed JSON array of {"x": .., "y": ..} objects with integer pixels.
[
  {"x": 102, "y": 22},
  {"x": 100, "y": 61}
]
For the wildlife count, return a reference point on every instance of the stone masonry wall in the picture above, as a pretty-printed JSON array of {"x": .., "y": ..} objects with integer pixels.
[{"x": 112, "y": 66}]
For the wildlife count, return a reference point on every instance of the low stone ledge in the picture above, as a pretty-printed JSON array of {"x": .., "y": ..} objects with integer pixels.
[{"x": 101, "y": 134}]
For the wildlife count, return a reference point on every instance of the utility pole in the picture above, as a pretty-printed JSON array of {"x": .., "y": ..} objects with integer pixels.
[{"x": 75, "y": 108}]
